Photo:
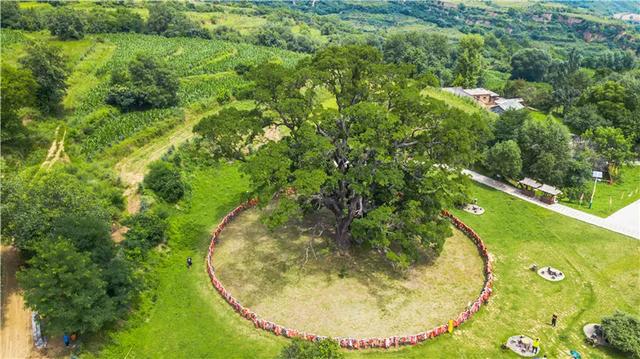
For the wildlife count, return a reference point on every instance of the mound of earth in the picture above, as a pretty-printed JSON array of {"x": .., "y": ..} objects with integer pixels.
[{"x": 291, "y": 277}]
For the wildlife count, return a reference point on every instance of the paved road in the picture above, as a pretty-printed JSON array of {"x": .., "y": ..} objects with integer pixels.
[{"x": 625, "y": 221}]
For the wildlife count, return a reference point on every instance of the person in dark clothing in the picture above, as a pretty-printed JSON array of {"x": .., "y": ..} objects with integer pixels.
[
  {"x": 189, "y": 262},
  {"x": 554, "y": 320}
]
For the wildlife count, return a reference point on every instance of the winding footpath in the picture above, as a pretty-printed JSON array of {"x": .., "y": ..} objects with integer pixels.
[{"x": 625, "y": 221}]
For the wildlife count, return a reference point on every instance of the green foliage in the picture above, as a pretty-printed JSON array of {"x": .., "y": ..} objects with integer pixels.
[
  {"x": 530, "y": 64},
  {"x": 146, "y": 230},
  {"x": 546, "y": 151},
  {"x": 33, "y": 209},
  {"x": 146, "y": 84},
  {"x": 508, "y": 125},
  {"x": 470, "y": 62},
  {"x": 538, "y": 95},
  {"x": 48, "y": 67},
  {"x": 16, "y": 86},
  {"x": 9, "y": 14},
  {"x": 165, "y": 180},
  {"x": 354, "y": 160},
  {"x": 617, "y": 102},
  {"x": 504, "y": 158},
  {"x": 611, "y": 144},
  {"x": 164, "y": 19},
  {"x": 581, "y": 119},
  {"x": 67, "y": 24},
  {"x": 66, "y": 289},
  {"x": 282, "y": 37},
  {"x": 568, "y": 80},
  {"x": 427, "y": 52},
  {"x": 302, "y": 349},
  {"x": 622, "y": 331}
]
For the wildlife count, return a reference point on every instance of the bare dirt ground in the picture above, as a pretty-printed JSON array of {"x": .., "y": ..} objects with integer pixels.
[
  {"x": 15, "y": 331},
  {"x": 289, "y": 277}
]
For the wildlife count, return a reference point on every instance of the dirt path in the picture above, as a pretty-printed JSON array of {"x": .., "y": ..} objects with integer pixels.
[
  {"x": 15, "y": 331},
  {"x": 132, "y": 168}
]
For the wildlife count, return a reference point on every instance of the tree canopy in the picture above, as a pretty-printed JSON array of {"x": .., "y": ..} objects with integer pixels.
[
  {"x": 145, "y": 84},
  {"x": 384, "y": 162},
  {"x": 623, "y": 332},
  {"x": 530, "y": 64},
  {"x": 16, "y": 87},
  {"x": 470, "y": 62},
  {"x": 50, "y": 72},
  {"x": 427, "y": 52},
  {"x": 67, "y": 24}
]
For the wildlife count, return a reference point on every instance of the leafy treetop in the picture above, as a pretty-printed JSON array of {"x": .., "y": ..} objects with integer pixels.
[{"x": 385, "y": 162}]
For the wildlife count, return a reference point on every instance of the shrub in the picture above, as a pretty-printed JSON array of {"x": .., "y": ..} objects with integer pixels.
[
  {"x": 146, "y": 230},
  {"x": 301, "y": 349},
  {"x": 165, "y": 181},
  {"x": 146, "y": 84},
  {"x": 623, "y": 332}
]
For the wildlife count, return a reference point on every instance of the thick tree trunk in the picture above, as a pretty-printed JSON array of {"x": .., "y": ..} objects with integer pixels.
[{"x": 342, "y": 237}]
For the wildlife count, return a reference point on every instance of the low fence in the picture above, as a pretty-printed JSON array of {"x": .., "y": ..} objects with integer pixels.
[{"x": 355, "y": 343}]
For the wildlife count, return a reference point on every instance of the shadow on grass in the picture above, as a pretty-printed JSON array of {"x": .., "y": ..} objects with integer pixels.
[{"x": 270, "y": 261}]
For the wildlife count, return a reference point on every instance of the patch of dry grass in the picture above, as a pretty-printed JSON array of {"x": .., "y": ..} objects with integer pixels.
[{"x": 291, "y": 277}]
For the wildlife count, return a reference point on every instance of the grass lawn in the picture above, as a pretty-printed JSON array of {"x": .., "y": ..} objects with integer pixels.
[
  {"x": 464, "y": 104},
  {"x": 611, "y": 197},
  {"x": 291, "y": 277},
  {"x": 190, "y": 320}
]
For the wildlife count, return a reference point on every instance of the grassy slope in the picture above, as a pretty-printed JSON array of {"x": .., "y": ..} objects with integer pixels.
[
  {"x": 621, "y": 193},
  {"x": 190, "y": 320}
]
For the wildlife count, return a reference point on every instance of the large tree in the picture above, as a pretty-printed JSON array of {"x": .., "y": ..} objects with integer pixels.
[
  {"x": 568, "y": 80},
  {"x": 504, "y": 159},
  {"x": 611, "y": 144},
  {"x": 49, "y": 69},
  {"x": 470, "y": 62},
  {"x": 427, "y": 52},
  {"x": 530, "y": 64},
  {"x": 385, "y": 161},
  {"x": 65, "y": 287}
]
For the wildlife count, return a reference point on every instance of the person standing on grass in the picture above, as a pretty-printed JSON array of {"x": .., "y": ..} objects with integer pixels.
[
  {"x": 189, "y": 262},
  {"x": 554, "y": 320},
  {"x": 536, "y": 346}
]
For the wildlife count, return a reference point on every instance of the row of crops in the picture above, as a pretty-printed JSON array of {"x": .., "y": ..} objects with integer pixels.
[
  {"x": 204, "y": 66},
  {"x": 115, "y": 128}
]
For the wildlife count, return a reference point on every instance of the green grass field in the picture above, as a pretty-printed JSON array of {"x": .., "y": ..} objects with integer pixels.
[
  {"x": 611, "y": 197},
  {"x": 183, "y": 317}
]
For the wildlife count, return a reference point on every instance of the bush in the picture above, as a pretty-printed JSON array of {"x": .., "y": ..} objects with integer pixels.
[
  {"x": 302, "y": 349},
  {"x": 165, "y": 181},
  {"x": 67, "y": 25},
  {"x": 146, "y": 84},
  {"x": 146, "y": 230},
  {"x": 623, "y": 332}
]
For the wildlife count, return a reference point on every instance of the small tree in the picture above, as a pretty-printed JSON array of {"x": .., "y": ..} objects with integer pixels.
[
  {"x": 66, "y": 288},
  {"x": 146, "y": 229},
  {"x": 16, "y": 87},
  {"x": 165, "y": 180},
  {"x": 67, "y": 24},
  {"x": 504, "y": 159},
  {"x": 623, "y": 332},
  {"x": 50, "y": 72},
  {"x": 611, "y": 144},
  {"x": 146, "y": 84},
  {"x": 302, "y": 349}
]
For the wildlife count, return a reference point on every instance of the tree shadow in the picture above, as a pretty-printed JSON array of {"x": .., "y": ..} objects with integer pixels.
[{"x": 272, "y": 260}]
